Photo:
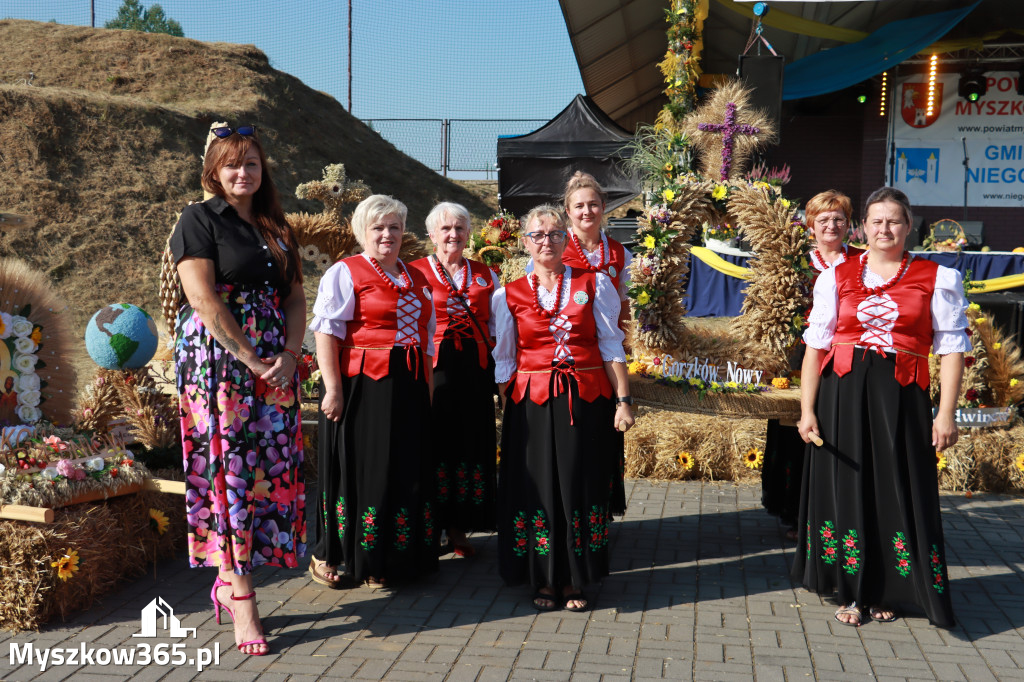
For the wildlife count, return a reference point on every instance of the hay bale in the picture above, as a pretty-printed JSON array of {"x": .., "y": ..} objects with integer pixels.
[
  {"x": 113, "y": 540},
  {"x": 715, "y": 446},
  {"x": 986, "y": 460}
]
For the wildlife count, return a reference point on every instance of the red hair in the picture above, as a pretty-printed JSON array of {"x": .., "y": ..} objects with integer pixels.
[{"x": 267, "y": 213}]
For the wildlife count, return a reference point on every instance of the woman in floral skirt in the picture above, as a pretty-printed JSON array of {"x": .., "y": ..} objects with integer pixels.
[{"x": 236, "y": 349}]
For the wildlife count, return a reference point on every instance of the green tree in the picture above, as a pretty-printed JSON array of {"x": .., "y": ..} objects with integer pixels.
[{"x": 132, "y": 16}]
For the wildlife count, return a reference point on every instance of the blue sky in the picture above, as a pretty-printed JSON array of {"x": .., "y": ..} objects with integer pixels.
[{"x": 411, "y": 59}]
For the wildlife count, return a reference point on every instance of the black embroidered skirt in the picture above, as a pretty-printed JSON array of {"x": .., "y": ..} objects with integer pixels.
[
  {"x": 376, "y": 514},
  {"x": 555, "y": 490},
  {"x": 462, "y": 423},
  {"x": 869, "y": 519}
]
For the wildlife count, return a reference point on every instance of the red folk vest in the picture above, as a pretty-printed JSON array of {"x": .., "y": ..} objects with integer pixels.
[
  {"x": 370, "y": 334},
  {"x": 616, "y": 260},
  {"x": 536, "y": 345},
  {"x": 911, "y": 331},
  {"x": 481, "y": 288}
]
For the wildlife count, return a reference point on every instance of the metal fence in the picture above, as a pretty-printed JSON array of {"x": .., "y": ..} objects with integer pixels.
[{"x": 452, "y": 144}]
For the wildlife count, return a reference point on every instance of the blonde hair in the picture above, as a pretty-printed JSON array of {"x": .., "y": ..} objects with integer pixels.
[
  {"x": 581, "y": 180},
  {"x": 544, "y": 210},
  {"x": 373, "y": 208}
]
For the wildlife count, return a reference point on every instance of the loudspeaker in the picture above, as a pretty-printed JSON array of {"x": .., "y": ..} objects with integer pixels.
[
  {"x": 974, "y": 231},
  {"x": 918, "y": 231},
  {"x": 764, "y": 75},
  {"x": 1006, "y": 310}
]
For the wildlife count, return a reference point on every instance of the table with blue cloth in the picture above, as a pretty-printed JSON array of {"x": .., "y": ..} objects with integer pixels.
[
  {"x": 710, "y": 293},
  {"x": 981, "y": 264}
]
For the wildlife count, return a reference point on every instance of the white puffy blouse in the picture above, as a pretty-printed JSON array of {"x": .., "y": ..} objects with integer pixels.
[
  {"x": 606, "y": 315},
  {"x": 948, "y": 309},
  {"x": 335, "y": 307}
]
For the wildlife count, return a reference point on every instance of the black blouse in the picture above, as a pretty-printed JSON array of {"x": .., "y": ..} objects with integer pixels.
[{"x": 213, "y": 230}]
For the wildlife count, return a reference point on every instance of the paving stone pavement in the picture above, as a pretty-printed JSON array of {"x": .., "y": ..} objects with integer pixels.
[{"x": 699, "y": 590}]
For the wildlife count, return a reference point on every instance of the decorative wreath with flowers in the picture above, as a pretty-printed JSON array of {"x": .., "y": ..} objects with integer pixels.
[
  {"x": 723, "y": 133},
  {"x": 36, "y": 380}
]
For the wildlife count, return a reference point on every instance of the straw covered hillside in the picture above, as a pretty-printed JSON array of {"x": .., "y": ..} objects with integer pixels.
[{"x": 101, "y": 148}]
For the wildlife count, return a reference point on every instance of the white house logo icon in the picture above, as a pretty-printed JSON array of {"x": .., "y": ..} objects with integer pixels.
[{"x": 152, "y": 613}]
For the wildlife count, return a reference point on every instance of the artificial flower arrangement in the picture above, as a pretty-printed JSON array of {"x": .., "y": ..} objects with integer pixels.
[
  {"x": 497, "y": 240},
  {"x": 680, "y": 67},
  {"x": 654, "y": 234},
  {"x": 24, "y": 389},
  {"x": 49, "y": 471}
]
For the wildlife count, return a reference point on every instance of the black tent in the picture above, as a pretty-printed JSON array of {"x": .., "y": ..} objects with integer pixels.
[{"x": 533, "y": 168}]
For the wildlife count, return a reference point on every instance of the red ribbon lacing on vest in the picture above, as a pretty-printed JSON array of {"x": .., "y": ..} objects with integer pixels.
[
  {"x": 459, "y": 328},
  {"x": 562, "y": 372},
  {"x": 407, "y": 314},
  {"x": 876, "y": 326}
]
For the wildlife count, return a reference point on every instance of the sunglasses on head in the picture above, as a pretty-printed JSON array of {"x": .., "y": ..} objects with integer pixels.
[{"x": 227, "y": 131}]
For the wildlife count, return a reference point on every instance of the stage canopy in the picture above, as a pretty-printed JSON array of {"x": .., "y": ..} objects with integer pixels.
[
  {"x": 533, "y": 168},
  {"x": 847, "y": 65}
]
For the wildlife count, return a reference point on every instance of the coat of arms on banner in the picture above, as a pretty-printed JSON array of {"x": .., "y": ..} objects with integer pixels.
[
  {"x": 914, "y": 104},
  {"x": 917, "y": 165}
]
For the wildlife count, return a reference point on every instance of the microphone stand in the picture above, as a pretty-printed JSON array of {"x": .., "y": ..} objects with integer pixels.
[{"x": 967, "y": 169}]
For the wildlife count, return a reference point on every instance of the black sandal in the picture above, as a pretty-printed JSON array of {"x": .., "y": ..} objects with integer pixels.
[
  {"x": 539, "y": 596},
  {"x": 875, "y": 610},
  {"x": 575, "y": 596}
]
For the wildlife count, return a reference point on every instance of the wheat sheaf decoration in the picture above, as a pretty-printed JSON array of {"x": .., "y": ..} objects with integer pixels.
[
  {"x": 37, "y": 379},
  {"x": 724, "y": 132}
]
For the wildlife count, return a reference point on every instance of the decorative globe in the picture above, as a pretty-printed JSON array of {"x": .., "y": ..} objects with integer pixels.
[{"x": 121, "y": 336}]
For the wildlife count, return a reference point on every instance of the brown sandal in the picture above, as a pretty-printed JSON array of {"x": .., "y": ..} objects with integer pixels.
[{"x": 320, "y": 571}]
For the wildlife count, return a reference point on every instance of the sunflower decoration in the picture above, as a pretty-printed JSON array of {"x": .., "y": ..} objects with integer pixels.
[
  {"x": 67, "y": 564},
  {"x": 158, "y": 521},
  {"x": 685, "y": 461},
  {"x": 940, "y": 461},
  {"x": 1020, "y": 462},
  {"x": 753, "y": 458}
]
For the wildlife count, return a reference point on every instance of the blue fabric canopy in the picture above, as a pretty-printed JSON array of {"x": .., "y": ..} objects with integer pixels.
[{"x": 847, "y": 65}]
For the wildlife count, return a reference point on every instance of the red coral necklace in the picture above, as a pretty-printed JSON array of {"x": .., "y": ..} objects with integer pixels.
[
  {"x": 824, "y": 263},
  {"x": 541, "y": 310},
  {"x": 402, "y": 275},
  {"x": 583, "y": 257},
  {"x": 877, "y": 291},
  {"x": 448, "y": 280}
]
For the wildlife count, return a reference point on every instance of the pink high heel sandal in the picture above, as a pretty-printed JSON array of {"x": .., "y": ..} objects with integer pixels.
[
  {"x": 260, "y": 640},
  {"x": 217, "y": 605}
]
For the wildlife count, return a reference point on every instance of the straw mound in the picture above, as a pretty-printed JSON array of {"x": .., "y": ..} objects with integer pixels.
[
  {"x": 716, "y": 446},
  {"x": 986, "y": 460},
  {"x": 113, "y": 540}
]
